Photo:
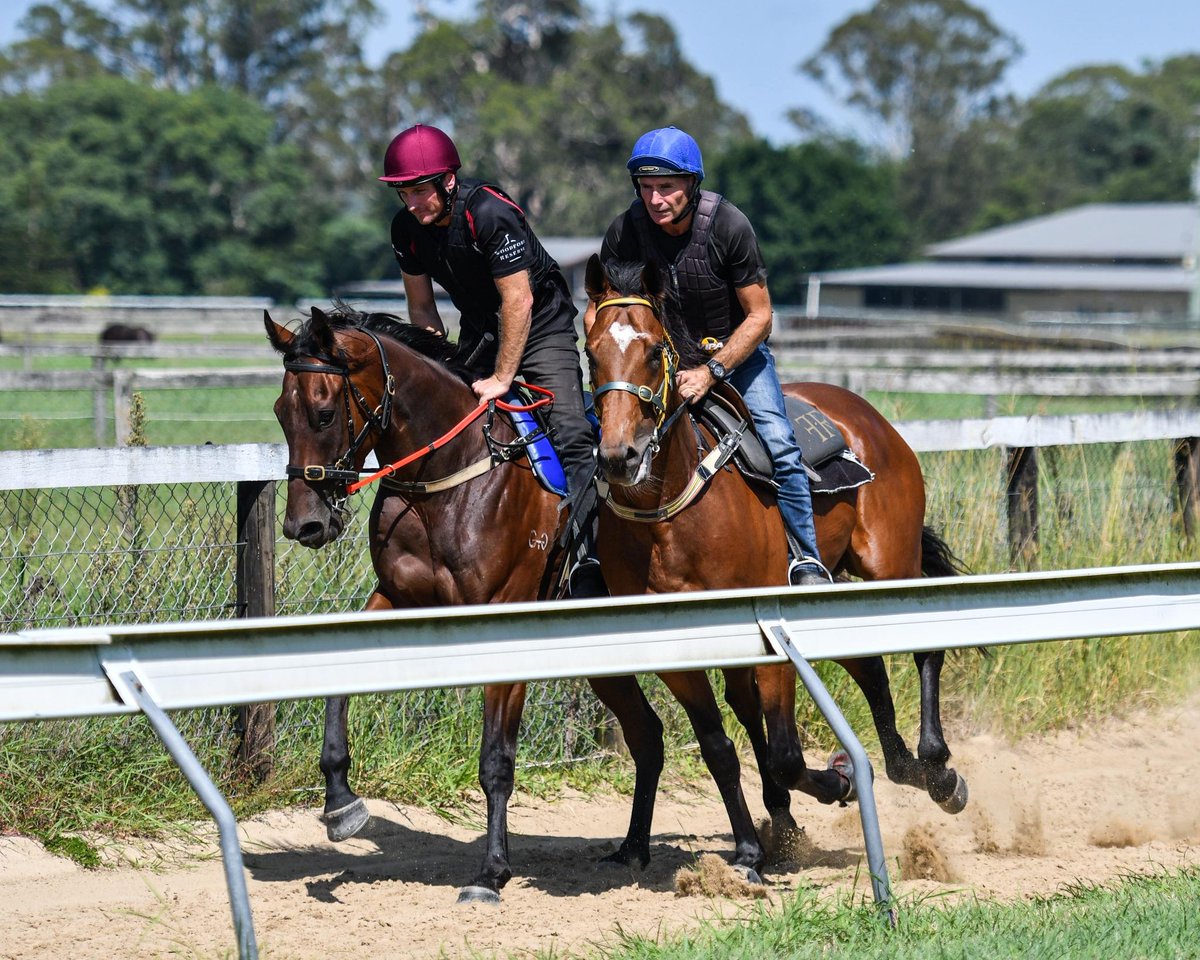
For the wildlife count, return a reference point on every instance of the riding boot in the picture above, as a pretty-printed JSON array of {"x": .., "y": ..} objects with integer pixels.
[{"x": 586, "y": 578}]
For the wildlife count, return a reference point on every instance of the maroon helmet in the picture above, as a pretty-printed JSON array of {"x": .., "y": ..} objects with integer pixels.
[{"x": 417, "y": 154}]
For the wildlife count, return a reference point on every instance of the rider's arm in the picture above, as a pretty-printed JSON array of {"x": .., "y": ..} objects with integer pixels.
[
  {"x": 421, "y": 305},
  {"x": 756, "y": 302},
  {"x": 516, "y": 315}
]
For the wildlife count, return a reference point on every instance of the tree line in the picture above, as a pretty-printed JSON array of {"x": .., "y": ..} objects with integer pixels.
[{"x": 231, "y": 146}]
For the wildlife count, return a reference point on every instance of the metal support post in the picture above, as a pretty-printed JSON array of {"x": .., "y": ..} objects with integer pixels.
[
  {"x": 210, "y": 796},
  {"x": 864, "y": 775}
]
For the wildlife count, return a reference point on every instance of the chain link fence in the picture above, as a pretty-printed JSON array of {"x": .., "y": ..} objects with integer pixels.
[{"x": 80, "y": 556}]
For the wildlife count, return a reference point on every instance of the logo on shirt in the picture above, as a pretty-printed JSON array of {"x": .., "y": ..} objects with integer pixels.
[{"x": 511, "y": 248}]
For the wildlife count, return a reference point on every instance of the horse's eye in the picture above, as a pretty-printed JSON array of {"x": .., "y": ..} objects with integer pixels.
[
  {"x": 656, "y": 355},
  {"x": 324, "y": 418}
]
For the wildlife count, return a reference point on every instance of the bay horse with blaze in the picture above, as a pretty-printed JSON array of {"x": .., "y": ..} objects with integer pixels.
[{"x": 661, "y": 532}]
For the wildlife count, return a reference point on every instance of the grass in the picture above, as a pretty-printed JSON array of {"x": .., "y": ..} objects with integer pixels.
[
  {"x": 158, "y": 553},
  {"x": 1144, "y": 917}
]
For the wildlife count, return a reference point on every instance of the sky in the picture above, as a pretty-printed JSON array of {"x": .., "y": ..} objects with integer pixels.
[{"x": 753, "y": 51}]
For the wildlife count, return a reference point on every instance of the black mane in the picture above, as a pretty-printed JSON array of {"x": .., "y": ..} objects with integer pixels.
[
  {"x": 344, "y": 317},
  {"x": 625, "y": 278}
]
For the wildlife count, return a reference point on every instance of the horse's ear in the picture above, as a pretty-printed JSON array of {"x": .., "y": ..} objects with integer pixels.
[
  {"x": 593, "y": 278},
  {"x": 280, "y": 336},
  {"x": 652, "y": 278},
  {"x": 321, "y": 329}
]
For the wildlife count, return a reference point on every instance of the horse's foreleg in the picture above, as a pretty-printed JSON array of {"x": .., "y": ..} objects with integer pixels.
[
  {"x": 643, "y": 731},
  {"x": 741, "y": 693},
  {"x": 345, "y": 813},
  {"x": 695, "y": 694},
  {"x": 502, "y": 707},
  {"x": 945, "y": 786},
  {"x": 777, "y": 691}
]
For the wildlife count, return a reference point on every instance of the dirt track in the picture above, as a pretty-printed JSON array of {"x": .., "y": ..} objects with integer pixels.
[{"x": 1087, "y": 805}]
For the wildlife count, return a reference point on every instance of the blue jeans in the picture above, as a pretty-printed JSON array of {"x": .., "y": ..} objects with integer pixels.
[{"x": 757, "y": 382}]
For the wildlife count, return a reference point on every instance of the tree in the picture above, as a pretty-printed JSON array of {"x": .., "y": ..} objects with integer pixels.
[
  {"x": 929, "y": 71},
  {"x": 119, "y": 186},
  {"x": 549, "y": 102},
  {"x": 815, "y": 206}
]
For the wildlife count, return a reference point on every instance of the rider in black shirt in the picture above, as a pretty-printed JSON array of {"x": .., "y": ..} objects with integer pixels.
[{"x": 471, "y": 238}]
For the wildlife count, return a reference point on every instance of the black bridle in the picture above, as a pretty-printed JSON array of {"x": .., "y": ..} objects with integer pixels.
[{"x": 342, "y": 471}]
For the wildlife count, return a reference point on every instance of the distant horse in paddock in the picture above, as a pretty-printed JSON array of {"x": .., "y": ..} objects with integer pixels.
[
  {"x": 661, "y": 531},
  {"x": 445, "y": 529},
  {"x": 126, "y": 333}
]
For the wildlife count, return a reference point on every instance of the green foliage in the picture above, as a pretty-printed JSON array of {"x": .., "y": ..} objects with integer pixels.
[
  {"x": 139, "y": 190},
  {"x": 550, "y": 102},
  {"x": 815, "y": 206}
]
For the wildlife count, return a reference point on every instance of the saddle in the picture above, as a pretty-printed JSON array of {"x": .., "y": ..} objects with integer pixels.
[
  {"x": 542, "y": 456},
  {"x": 829, "y": 462}
]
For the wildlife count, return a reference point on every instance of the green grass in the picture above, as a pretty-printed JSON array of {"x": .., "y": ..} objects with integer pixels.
[{"x": 1143, "y": 917}]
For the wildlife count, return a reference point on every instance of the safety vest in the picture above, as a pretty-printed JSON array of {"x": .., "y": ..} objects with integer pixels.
[
  {"x": 710, "y": 305},
  {"x": 463, "y": 269}
]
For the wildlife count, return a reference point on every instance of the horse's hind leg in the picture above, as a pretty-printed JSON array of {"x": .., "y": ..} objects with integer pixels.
[
  {"x": 741, "y": 693},
  {"x": 946, "y": 788},
  {"x": 870, "y": 673},
  {"x": 502, "y": 708},
  {"x": 345, "y": 813},
  {"x": 695, "y": 694},
  {"x": 642, "y": 730}
]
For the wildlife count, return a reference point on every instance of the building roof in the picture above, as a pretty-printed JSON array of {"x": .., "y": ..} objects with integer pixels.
[
  {"x": 1017, "y": 276},
  {"x": 1095, "y": 231}
]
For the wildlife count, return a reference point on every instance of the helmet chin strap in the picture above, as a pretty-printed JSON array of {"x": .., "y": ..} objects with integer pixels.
[
  {"x": 446, "y": 196},
  {"x": 693, "y": 199}
]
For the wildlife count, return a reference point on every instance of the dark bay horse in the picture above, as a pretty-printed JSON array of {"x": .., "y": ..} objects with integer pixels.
[
  {"x": 356, "y": 382},
  {"x": 730, "y": 535}
]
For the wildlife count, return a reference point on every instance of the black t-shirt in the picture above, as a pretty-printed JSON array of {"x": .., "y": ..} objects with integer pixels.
[
  {"x": 733, "y": 251},
  {"x": 502, "y": 243}
]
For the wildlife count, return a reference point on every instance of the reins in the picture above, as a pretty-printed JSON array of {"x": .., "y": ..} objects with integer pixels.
[{"x": 342, "y": 471}]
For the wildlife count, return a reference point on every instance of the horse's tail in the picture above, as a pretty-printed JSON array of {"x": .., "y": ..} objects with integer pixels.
[{"x": 937, "y": 559}]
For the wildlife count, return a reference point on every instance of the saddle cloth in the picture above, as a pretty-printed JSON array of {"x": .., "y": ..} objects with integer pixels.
[{"x": 831, "y": 465}]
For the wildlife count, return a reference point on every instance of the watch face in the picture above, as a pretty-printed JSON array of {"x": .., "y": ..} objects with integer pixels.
[{"x": 717, "y": 368}]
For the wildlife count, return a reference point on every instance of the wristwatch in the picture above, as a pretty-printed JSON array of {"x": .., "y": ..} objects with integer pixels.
[{"x": 717, "y": 369}]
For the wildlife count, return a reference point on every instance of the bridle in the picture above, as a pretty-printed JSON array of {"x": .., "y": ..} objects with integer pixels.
[
  {"x": 656, "y": 399},
  {"x": 709, "y": 464},
  {"x": 342, "y": 470}
]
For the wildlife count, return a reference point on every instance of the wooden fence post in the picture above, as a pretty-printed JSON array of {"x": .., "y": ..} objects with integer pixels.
[
  {"x": 1022, "y": 500},
  {"x": 99, "y": 406},
  {"x": 1187, "y": 480},
  {"x": 256, "y": 598}
]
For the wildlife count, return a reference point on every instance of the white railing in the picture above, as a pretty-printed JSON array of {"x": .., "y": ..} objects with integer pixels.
[{"x": 151, "y": 668}]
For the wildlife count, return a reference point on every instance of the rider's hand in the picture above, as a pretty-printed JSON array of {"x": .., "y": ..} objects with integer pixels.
[
  {"x": 493, "y": 388},
  {"x": 695, "y": 383}
]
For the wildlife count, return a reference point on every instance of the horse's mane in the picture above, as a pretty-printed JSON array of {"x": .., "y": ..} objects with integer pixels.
[
  {"x": 424, "y": 342},
  {"x": 625, "y": 278}
]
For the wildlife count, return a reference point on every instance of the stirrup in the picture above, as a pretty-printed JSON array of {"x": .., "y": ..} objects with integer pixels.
[
  {"x": 586, "y": 579},
  {"x": 807, "y": 572}
]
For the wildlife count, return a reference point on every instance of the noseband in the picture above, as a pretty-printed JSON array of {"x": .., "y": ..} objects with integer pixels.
[
  {"x": 657, "y": 399},
  {"x": 342, "y": 470}
]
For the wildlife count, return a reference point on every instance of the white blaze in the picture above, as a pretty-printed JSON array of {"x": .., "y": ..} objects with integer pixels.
[{"x": 624, "y": 335}]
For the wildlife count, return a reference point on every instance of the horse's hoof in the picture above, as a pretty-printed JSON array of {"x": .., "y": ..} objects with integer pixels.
[
  {"x": 345, "y": 822},
  {"x": 841, "y": 764},
  {"x": 619, "y": 859},
  {"x": 749, "y": 874},
  {"x": 475, "y": 894},
  {"x": 957, "y": 801}
]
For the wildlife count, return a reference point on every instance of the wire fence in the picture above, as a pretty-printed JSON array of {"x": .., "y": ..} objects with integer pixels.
[{"x": 156, "y": 553}]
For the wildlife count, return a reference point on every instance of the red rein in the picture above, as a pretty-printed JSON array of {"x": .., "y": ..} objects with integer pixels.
[{"x": 547, "y": 398}]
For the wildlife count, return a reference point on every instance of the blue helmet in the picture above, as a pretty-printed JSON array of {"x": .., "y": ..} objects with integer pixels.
[{"x": 665, "y": 152}]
